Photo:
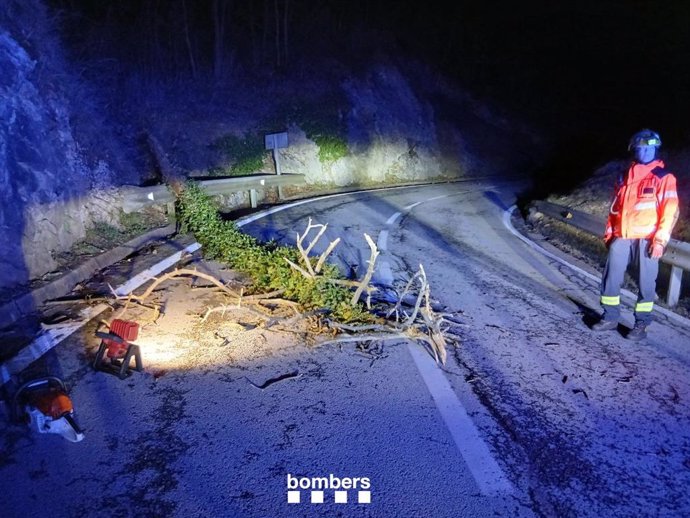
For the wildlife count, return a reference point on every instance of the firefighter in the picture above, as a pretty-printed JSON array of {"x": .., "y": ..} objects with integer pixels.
[{"x": 642, "y": 214}]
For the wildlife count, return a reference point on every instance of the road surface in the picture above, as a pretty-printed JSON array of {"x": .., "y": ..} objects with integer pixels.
[{"x": 533, "y": 414}]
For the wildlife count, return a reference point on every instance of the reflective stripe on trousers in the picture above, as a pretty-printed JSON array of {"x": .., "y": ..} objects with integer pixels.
[{"x": 623, "y": 252}]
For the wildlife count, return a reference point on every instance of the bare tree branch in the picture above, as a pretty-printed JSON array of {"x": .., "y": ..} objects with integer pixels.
[
  {"x": 325, "y": 255},
  {"x": 183, "y": 272},
  {"x": 299, "y": 269},
  {"x": 370, "y": 270}
]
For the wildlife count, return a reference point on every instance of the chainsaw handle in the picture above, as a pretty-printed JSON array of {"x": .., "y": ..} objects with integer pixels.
[{"x": 110, "y": 336}]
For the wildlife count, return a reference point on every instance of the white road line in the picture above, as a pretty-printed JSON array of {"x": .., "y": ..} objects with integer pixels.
[
  {"x": 146, "y": 275},
  {"x": 486, "y": 472},
  {"x": 410, "y": 207},
  {"x": 383, "y": 274},
  {"x": 45, "y": 342},
  {"x": 488, "y": 475},
  {"x": 382, "y": 241},
  {"x": 249, "y": 219},
  {"x": 392, "y": 219},
  {"x": 506, "y": 222}
]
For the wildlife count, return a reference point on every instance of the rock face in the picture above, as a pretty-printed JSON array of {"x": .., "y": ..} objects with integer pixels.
[
  {"x": 49, "y": 195},
  {"x": 391, "y": 137}
]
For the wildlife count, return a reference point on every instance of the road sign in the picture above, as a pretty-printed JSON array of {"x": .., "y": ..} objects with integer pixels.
[{"x": 276, "y": 140}]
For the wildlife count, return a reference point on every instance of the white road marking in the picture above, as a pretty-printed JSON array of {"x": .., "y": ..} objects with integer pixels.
[
  {"x": 249, "y": 219},
  {"x": 488, "y": 475},
  {"x": 506, "y": 223},
  {"x": 45, "y": 342},
  {"x": 486, "y": 472},
  {"x": 382, "y": 241},
  {"x": 410, "y": 207},
  {"x": 392, "y": 219},
  {"x": 146, "y": 275},
  {"x": 383, "y": 274}
]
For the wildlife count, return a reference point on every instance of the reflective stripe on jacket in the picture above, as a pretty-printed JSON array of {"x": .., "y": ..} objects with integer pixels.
[{"x": 645, "y": 204}]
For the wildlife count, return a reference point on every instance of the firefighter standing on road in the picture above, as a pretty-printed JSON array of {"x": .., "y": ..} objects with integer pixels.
[{"x": 642, "y": 215}]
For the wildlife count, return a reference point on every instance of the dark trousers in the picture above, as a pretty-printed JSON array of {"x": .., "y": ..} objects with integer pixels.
[{"x": 621, "y": 253}]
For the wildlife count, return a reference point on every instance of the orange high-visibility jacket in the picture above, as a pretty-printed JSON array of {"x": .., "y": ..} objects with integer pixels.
[{"x": 645, "y": 204}]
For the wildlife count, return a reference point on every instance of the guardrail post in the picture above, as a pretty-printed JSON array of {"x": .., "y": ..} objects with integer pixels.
[
  {"x": 253, "y": 198},
  {"x": 674, "y": 283}
]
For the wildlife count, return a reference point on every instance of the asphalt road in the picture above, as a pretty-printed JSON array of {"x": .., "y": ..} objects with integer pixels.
[{"x": 533, "y": 414}]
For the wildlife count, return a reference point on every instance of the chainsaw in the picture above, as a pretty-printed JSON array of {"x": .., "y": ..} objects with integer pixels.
[{"x": 44, "y": 405}]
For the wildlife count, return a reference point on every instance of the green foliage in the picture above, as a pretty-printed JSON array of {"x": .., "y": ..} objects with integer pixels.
[
  {"x": 264, "y": 263},
  {"x": 322, "y": 121},
  {"x": 331, "y": 147},
  {"x": 246, "y": 153}
]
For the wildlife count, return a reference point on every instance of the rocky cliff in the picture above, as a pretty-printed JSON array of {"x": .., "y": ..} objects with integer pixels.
[{"x": 50, "y": 190}]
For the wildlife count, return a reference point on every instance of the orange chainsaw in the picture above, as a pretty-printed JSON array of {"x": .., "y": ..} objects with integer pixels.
[{"x": 43, "y": 403}]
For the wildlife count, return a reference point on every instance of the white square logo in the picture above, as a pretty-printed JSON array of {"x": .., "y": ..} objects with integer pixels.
[
  {"x": 293, "y": 497},
  {"x": 317, "y": 497},
  {"x": 341, "y": 497},
  {"x": 364, "y": 497}
]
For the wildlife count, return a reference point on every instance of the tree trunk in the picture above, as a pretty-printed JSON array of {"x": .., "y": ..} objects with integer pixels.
[
  {"x": 285, "y": 32},
  {"x": 190, "y": 50},
  {"x": 277, "y": 33},
  {"x": 220, "y": 15}
]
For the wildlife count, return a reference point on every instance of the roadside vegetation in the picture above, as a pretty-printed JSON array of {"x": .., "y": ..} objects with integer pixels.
[
  {"x": 323, "y": 123},
  {"x": 246, "y": 154},
  {"x": 267, "y": 264}
]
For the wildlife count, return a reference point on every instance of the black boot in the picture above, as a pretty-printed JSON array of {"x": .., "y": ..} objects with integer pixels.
[
  {"x": 605, "y": 325},
  {"x": 638, "y": 332}
]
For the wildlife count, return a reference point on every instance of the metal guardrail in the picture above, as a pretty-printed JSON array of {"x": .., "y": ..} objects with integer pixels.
[
  {"x": 677, "y": 253},
  {"x": 136, "y": 198}
]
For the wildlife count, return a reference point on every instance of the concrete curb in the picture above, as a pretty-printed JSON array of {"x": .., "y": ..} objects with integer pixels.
[{"x": 27, "y": 303}]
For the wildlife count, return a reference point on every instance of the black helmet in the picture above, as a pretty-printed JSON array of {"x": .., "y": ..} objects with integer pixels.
[{"x": 645, "y": 137}]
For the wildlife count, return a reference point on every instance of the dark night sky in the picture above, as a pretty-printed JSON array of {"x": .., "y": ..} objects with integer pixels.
[
  {"x": 590, "y": 70},
  {"x": 607, "y": 63}
]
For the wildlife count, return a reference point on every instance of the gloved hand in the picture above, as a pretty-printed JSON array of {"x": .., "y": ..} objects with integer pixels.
[{"x": 656, "y": 250}]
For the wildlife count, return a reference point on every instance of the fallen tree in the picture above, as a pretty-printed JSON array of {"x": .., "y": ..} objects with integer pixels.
[{"x": 310, "y": 287}]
